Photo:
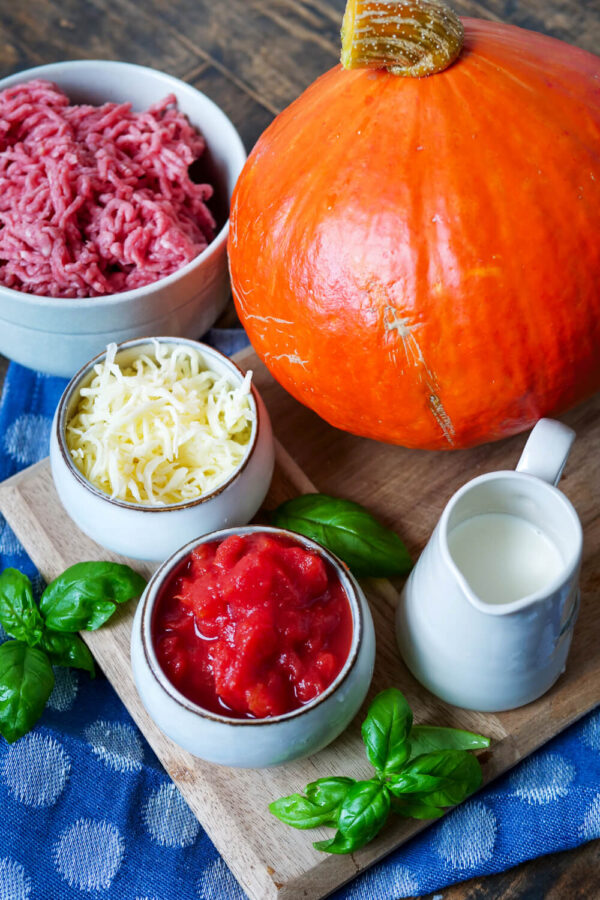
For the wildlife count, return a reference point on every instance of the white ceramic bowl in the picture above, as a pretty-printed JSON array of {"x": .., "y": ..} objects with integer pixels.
[
  {"x": 253, "y": 743},
  {"x": 57, "y": 335},
  {"x": 154, "y": 532}
]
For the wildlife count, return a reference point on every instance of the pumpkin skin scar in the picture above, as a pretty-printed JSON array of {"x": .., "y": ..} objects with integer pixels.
[
  {"x": 292, "y": 358},
  {"x": 442, "y": 418},
  {"x": 401, "y": 325},
  {"x": 270, "y": 319},
  {"x": 241, "y": 294}
]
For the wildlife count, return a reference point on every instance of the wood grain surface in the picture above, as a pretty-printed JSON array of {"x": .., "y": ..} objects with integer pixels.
[
  {"x": 253, "y": 57},
  {"x": 409, "y": 490}
]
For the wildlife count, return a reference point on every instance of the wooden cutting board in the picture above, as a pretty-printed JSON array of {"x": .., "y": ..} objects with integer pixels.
[{"x": 408, "y": 490}]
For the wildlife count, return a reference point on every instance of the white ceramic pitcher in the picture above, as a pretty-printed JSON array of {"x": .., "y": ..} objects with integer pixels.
[{"x": 490, "y": 656}]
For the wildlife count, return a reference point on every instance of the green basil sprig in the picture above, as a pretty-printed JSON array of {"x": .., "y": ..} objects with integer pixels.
[
  {"x": 67, "y": 650},
  {"x": 441, "y": 778},
  {"x": 361, "y": 817},
  {"x": 18, "y": 611},
  {"x": 426, "y": 738},
  {"x": 419, "y": 771},
  {"x": 386, "y": 731},
  {"x": 85, "y": 596},
  {"x": 349, "y": 531},
  {"x": 26, "y": 682}
]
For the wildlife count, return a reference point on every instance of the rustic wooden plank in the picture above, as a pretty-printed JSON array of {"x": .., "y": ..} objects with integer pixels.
[
  {"x": 576, "y": 23},
  {"x": 569, "y": 20},
  {"x": 268, "y": 859},
  {"x": 270, "y": 56},
  {"x": 44, "y": 31},
  {"x": 248, "y": 115},
  {"x": 303, "y": 25},
  {"x": 572, "y": 875}
]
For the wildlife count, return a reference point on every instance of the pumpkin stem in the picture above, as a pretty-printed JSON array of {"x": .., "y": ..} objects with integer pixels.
[{"x": 412, "y": 38}]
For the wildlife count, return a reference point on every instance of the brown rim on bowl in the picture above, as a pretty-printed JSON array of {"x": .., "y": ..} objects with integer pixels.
[
  {"x": 74, "y": 385},
  {"x": 348, "y": 582}
]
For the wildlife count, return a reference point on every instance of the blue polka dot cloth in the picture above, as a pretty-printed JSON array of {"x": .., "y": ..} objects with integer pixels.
[{"x": 88, "y": 812}]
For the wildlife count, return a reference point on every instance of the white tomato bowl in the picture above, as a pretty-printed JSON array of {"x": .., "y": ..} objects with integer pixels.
[
  {"x": 57, "y": 335},
  {"x": 264, "y": 742},
  {"x": 155, "y": 532}
]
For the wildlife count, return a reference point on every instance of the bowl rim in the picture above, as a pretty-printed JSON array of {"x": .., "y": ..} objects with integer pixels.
[
  {"x": 235, "y": 151},
  {"x": 60, "y": 424},
  {"x": 148, "y": 602}
]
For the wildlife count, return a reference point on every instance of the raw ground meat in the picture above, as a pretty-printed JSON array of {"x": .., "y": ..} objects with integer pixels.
[{"x": 95, "y": 199}]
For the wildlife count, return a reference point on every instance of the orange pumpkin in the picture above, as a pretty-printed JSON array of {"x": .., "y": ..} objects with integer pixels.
[{"x": 418, "y": 260}]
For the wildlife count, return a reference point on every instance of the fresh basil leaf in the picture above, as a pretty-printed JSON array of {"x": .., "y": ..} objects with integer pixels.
[
  {"x": 67, "y": 650},
  {"x": 427, "y": 738},
  {"x": 459, "y": 770},
  {"x": 410, "y": 808},
  {"x": 320, "y": 806},
  {"x": 348, "y": 530},
  {"x": 364, "y": 811},
  {"x": 18, "y": 610},
  {"x": 76, "y": 612},
  {"x": 86, "y": 594},
  {"x": 329, "y": 792},
  {"x": 300, "y": 812},
  {"x": 385, "y": 731},
  {"x": 26, "y": 682},
  {"x": 414, "y": 784},
  {"x": 338, "y": 844}
]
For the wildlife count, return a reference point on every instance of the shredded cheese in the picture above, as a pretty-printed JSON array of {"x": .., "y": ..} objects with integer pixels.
[{"x": 166, "y": 429}]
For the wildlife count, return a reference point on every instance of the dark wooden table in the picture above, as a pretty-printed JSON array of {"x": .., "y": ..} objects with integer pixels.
[{"x": 253, "y": 57}]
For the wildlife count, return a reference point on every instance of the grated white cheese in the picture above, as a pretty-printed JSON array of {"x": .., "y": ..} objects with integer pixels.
[{"x": 163, "y": 430}]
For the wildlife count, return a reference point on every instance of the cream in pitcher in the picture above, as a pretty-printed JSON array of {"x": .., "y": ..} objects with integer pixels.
[
  {"x": 486, "y": 618},
  {"x": 504, "y": 557}
]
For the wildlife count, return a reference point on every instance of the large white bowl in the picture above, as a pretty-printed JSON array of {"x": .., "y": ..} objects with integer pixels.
[
  {"x": 254, "y": 743},
  {"x": 58, "y": 335},
  {"x": 154, "y": 532}
]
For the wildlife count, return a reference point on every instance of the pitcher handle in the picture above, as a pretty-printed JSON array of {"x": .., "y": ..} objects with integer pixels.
[{"x": 547, "y": 450}]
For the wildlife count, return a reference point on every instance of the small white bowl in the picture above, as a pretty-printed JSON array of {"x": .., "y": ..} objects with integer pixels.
[
  {"x": 254, "y": 743},
  {"x": 57, "y": 335},
  {"x": 154, "y": 532}
]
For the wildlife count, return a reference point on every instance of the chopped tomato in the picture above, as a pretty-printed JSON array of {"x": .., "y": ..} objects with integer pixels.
[{"x": 253, "y": 626}]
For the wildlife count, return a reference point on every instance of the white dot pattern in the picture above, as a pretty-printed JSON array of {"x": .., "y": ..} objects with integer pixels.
[
  {"x": 590, "y": 734},
  {"x": 14, "y": 883},
  {"x": 36, "y": 769},
  {"x": 168, "y": 819},
  {"x": 590, "y": 827},
  {"x": 467, "y": 836},
  {"x": 27, "y": 439},
  {"x": 217, "y": 882},
  {"x": 64, "y": 692},
  {"x": 117, "y": 745},
  {"x": 543, "y": 779},
  {"x": 88, "y": 854},
  {"x": 399, "y": 882}
]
